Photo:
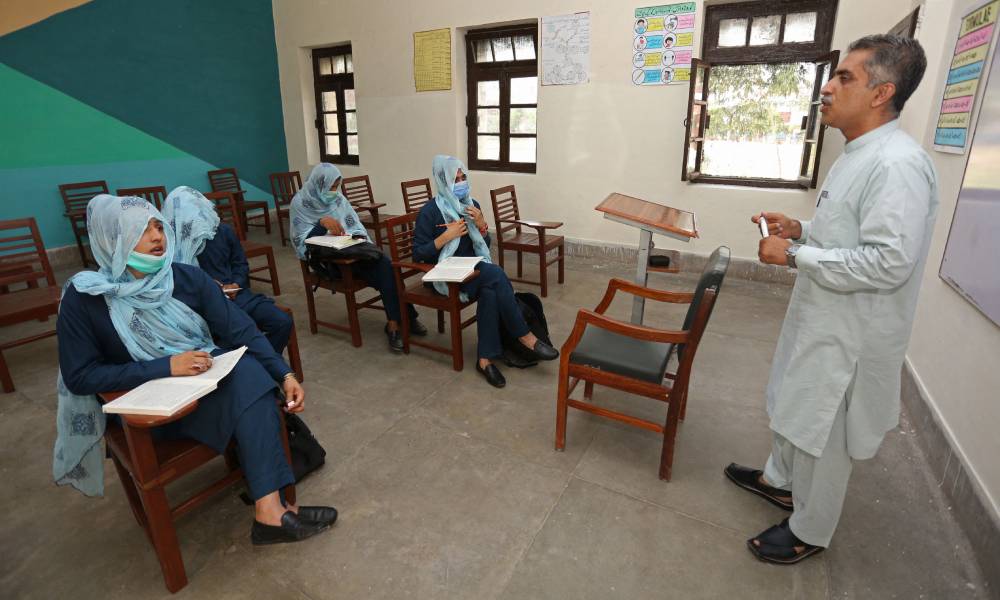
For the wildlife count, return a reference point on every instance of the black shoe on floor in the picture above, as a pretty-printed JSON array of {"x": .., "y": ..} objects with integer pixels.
[
  {"x": 492, "y": 375},
  {"x": 292, "y": 529},
  {"x": 417, "y": 328},
  {"x": 749, "y": 479},
  {"x": 543, "y": 351},
  {"x": 326, "y": 515},
  {"x": 395, "y": 339}
]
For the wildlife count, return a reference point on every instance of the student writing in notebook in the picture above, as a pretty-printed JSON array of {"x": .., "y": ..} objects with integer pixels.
[
  {"x": 203, "y": 241},
  {"x": 319, "y": 208},
  {"x": 141, "y": 317},
  {"x": 453, "y": 225}
]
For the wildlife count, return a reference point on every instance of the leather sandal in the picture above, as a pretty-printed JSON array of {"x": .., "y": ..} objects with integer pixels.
[
  {"x": 777, "y": 545},
  {"x": 749, "y": 479}
]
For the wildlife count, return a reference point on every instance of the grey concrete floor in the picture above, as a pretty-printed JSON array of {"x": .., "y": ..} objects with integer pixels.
[{"x": 449, "y": 488}]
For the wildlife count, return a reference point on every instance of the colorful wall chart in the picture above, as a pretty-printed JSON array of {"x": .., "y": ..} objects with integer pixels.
[
  {"x": 662, "y": 43},
  {"x": 972, "y": 52}
]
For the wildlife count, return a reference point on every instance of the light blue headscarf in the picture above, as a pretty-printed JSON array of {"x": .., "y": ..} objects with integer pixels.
[
  {"x": 193, "y": 219},
  {"x": 315, "y": 201},
  {"x": 147, "y": 318},
  {"x": 452, "y": 209}
]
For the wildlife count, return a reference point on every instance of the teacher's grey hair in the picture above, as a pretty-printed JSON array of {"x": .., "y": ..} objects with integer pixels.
[{"x": 895, "y": 59}]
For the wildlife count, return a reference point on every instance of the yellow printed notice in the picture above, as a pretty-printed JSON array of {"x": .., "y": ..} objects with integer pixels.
[{"x": 432, "y": 60}]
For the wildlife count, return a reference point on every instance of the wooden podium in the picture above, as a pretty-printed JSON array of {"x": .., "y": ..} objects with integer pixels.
[{"x": 648, "y": 218}]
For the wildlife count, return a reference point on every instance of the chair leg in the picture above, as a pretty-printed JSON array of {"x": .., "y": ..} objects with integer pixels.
[
  {"x": 561, "y": 405},
  {"x": 5, "y": 378},
  {"x": 352, "y": 319},
  {"x": 267, "y": 221},
  {"x": 161, "y": 529},
  {"x": 134, "y": 501},
  {"x": 520, "y": 265},
  {"x": 405, "y": 324},
  {"x": 281, "y": 229},
  {"x": 457, "y": 360},
  {"x": 79, "y": 244},
  {"x": 500, "y": 254},
  {"x": 684, "y": 405},
  {"x": 311, "y": 305},
  {"x": 588, "y": 390},
  {"x": 272, "y": 269},
  {"x": 293, "y": 354},
  {"x": 440, "y": 321},
  {"x": 543, "y": 272},
  {"x": 562, "y": 260},
  {"x": 669, "y": 436}
]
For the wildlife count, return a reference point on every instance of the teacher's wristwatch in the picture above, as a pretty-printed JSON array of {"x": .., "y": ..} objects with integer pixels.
[{"x": 790, "y": 253}]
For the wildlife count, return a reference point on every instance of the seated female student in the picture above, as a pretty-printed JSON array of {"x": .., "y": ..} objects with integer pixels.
[
  {"x": 453, "y": 225},
  {"x": 143, "y": 317},
  {"x": 205, "y": 242},
  {"x": 319, "y": 208}
]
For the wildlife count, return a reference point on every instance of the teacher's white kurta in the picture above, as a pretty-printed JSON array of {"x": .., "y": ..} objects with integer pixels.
[{"x": 852, "y": 307}]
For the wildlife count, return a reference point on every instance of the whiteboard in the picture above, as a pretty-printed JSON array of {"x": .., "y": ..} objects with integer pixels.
[{"x": 971, "y": 262}]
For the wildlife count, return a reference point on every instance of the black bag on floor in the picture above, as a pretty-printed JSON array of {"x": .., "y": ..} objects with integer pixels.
[
  {"x": 307, "y": 454},
  {"x": 515, "y": 354},
  {"x": 318, "y": 258}
]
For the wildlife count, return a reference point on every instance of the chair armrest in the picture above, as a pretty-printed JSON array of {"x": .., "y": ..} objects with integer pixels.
[
  {"x": 637, "y": 290},
  {"x": 371, "y": 206},
  {"x": 639, "y": 332},
  {"x": 537, "y": 224},
  {"x": 412, "y": 265},
  {"x": 147, "y": 421}
]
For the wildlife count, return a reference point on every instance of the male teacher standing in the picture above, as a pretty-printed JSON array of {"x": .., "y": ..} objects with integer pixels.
[{"x": 834, "y": 386}]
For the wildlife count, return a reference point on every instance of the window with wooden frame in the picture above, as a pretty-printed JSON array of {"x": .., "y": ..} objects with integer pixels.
[
  {"x": 336, "y": 110},
  {"x": 502, "y": 72},
  {"x": 753, "y": 105}
]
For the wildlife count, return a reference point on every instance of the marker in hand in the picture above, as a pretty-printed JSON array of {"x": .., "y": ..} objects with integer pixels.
[{"x": 763, "y": 226}]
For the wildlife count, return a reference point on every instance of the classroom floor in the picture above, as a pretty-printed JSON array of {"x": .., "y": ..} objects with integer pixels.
[{"x": 448, "y": 488}]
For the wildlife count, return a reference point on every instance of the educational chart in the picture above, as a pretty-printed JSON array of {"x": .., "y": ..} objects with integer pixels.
[
  {"x": 972, "y": 52},
  {"x": 662, "y": 43},
  {"x": 566, "y": 49},
  {"x": 432, "y": 60}
]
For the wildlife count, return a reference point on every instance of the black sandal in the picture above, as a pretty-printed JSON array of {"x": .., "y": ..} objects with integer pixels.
[
  {"x": 777, "y": 545},
  {"x": 749, "y": 479}
]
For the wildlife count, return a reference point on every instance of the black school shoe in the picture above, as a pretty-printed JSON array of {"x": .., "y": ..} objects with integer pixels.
[
  {"x": 492, "y": 374},
  {"x": 292, "y": 529},
  {"x": 543, "y": 351},
  {"x": 417, "y": 328},
  {"x": 326, "y": 515},
  {"x": 395, "y": 339}
]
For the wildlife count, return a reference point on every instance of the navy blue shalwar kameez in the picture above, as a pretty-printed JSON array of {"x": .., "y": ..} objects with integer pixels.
[
  {"x": 224, "y": 261},
  {"x": 495, "y": 301},
  {"x": 93, "y": 359}
]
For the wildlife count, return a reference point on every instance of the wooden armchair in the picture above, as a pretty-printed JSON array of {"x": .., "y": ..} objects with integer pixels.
[
  {"x": 75, "y": 197},
  {"x": 146, "y": 467},
  {"x": 284, "y": 186},
  {"x": 155, "y": 195},
  {"x": 416, "y": 193},
  {"x": 349, "y": 286},
  {"x": 508, "y": 219},
  {"x": 634, "y": 358},
  {"x": 226, "y": 205},
  {"x": 226, "y": 180},
  {"x": 400, "y": 231},
  {"x": 23, "y": 261},
  {"x": 358, "y": 191}
]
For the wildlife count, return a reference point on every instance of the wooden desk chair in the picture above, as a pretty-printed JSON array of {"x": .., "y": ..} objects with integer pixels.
[
  {"x": 634, "y": 358},
  {"x": 416, "y": 193},
  {"x": 358, "y": 191},
  {"x": 146, "y": 468},
  {"x": 349, "y": 286},
  {"x": 23, "y": 261},
  {"x": 400, "y": 231},
  {"x": 284, "y": 186},
  {"x": 155, "y": 195},
  {"x": 226, "y": 206},
  {"x": 226, "y": 180},
  {"x": 75, "y": 197},
  {"x": 294, "y": 358},
  {"x": 508, "y": 218}
]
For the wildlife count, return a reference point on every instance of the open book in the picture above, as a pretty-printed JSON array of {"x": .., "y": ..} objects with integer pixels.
[
  {"x": 453, "y": 268},
  {"x": 338, "y": 242},
  {"x": 166, "y": 396}
]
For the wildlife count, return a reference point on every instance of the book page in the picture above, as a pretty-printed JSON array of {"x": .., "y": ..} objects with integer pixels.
[
  {"x": 221, "y": 366},
  {"x": 455, "y": 268},
  {"x": 162, "y": 397}
]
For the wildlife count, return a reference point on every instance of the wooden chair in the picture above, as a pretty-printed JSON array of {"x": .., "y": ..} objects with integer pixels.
[
  {"x": 146, "y": 467},
  {"x": 508, "y": 218},
  {"x": 416, "y": 194},
  {"x": 226, "y": 206},
  {"x": 155, "y": 195},
  {"x": 23, "y": 260},
  {"x": 284, "y": 186},
  {"x": 400, "y": 232},
  {"x": 294, "y": 358},
  {"x": 634, "y": 358},
  {"x": 226, "y": 180},
  {"x": 349, "y": 286},
  {"x": 75, "y": 197},
  {"x": 358, "y": 191}
]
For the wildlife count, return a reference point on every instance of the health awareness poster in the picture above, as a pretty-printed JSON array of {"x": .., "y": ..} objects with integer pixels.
[
  {"x": 662, "y": 43},
  {"x": 965, "y": 77}
]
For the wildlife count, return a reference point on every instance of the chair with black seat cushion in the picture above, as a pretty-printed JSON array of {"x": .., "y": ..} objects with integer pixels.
[{"x": 635, "y": 358}]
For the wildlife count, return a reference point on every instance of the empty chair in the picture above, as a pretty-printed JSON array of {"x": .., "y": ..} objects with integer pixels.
[
  {"x": 284, "y": 186},
  {"x": 155, "y": 195},
  {"x": 416, "y": 193},
  {"x": 508, "y": 221},
  {"x": 226, "y": 180},
  {"x": 75, "y": 197},
  {"x": 358, "y": 191}
]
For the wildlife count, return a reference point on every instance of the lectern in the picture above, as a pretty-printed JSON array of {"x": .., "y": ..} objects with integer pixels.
[{"x": 648, "y": 218}]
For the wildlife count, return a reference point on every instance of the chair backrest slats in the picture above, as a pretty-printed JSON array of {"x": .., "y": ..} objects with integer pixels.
[
  {"x": 76, "y": 195},
  {"x": 358, "y": 190},
  {"x": 225, "y": 207},
  {"x": 400, "y": 231},
  {"x": 416, "y": 193},
  {"x": 505, "y": 209},
  {"x": 284, "y": 186},
  {"x": 224, "y": 180},
  {"x": 17, "y": 266},
  {"x": 155, "y": 195}
]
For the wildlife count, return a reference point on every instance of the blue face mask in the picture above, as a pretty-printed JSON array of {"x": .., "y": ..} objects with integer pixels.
[
  {"x": 461, "y": 190},
  {"x": 145, "y": 263}
]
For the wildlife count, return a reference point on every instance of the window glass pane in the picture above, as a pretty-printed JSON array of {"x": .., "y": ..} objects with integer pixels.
[
  {"x": 765, "y": 30},
  {"x": 332, "y": 144},
  {"x": 524, "y": 47},
  {"x": 489, "y": 120},
  {"x": 352, "y": 145},
  {"x": 800, "y": 27},
  {"x": 488, "y": 93},
  {"x": 696, "y": 120},
  {"x": 350, "y": 63},
  {"x": 692, "y": 156},
  {"x": 330, "y": 123},
  {"x": 488, "y": 147},
  {"x": 352, "y": 122},
  {"x": 524, "y": 90},
  {"x": 329, "y": 101},
  {"x": 522, "y": 120},
  {"x": 522, "y": 150},
  {"x": 699, "y": 83},
  {"x": 503, "y": 49},
  {"x": 810, "y": 154},
  {"x": 324, "y": 66},
  {"x": 483, "y": 51},
  {"x": 732, "y": 33},
  {"x": 349, "y": 99},
  {"x": 815, "y": 121},
  {"x": 338, "y": 65}
]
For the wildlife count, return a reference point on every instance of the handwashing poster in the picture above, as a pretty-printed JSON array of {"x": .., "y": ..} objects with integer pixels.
[{"x": 662, "y": 43}]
